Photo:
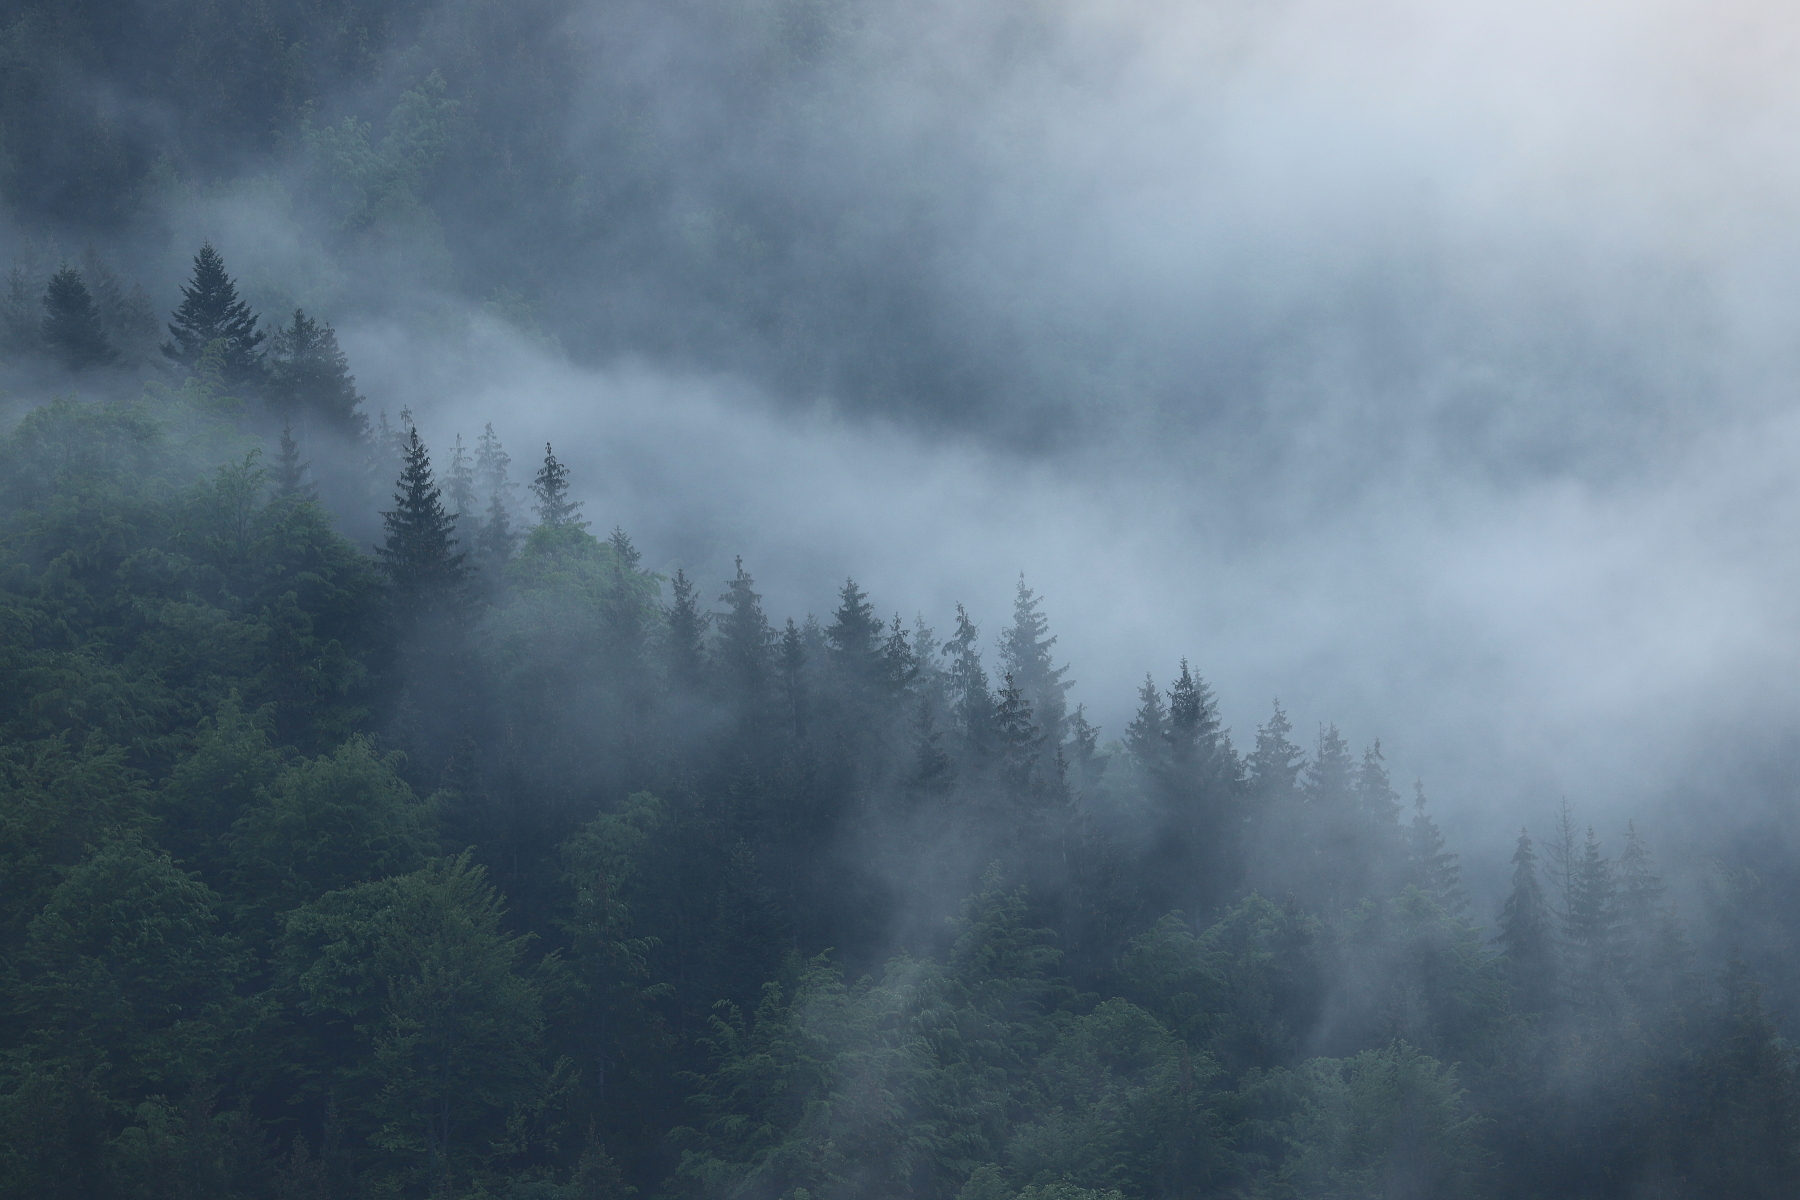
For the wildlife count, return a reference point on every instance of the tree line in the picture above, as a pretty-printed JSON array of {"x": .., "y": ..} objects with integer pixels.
[{"x": 488, "y": 861}]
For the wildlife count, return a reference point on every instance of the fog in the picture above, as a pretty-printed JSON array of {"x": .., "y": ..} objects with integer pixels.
[{"x": 1423, "y": 365}]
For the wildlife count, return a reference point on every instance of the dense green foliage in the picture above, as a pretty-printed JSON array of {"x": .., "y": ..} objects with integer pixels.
[{"x": 482, "y": 865}]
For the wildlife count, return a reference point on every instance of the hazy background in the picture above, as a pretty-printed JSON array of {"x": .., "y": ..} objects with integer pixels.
[{"x": 1428, "y": 366}]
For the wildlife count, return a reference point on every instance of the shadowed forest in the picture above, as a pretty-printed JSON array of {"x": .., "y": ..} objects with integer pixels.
[
  {"x": 379, "y": 820},
  {"x": 491, "y": 863}
]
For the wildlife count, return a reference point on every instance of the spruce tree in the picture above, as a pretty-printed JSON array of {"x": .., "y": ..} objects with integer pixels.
[
  {"x": 1147, "y": 736},
  {"x": 1025, "y": 655},
  {"x": 459, "y": 484},
  {"x": 211, "y": 311},
  {"x": 420, "y": 555},
  {"x": 1527, "y": 935},
  {"x": 495, "y": 540},
  {"x": 127, "y": 316},
  {"x": 1274, "y": 765},
  {"x": 971, "y": 704},
  {"x": 793, "y": 679},
  {"x": 1433, "y": 868},
  {"x": 72, "y": 329},
  {"x": 685, "y": 649},
  {"x": 288, "y": 478},
  {"x": 743, "y": 651},
  {"x": 309, "y": 377},
  {"x": 855, "y": 637},
  {"x": 1193, "y": 727},
  {"x": 551, "y": 487},
  {"x": 1591, "y": 929}
]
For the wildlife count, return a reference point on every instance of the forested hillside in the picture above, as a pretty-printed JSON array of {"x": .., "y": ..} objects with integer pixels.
[{"x": 483, "y": 861}]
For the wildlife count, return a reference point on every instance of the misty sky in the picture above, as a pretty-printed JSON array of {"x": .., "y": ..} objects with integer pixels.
[{"x": 1428, "y": 365}]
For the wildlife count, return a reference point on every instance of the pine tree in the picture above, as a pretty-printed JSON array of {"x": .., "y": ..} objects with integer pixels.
[
  {"x": 72, "y": 329},
  {"x": 1591, "y": 929},
  {"x": 932, "y": 772},
  {"x": 127, "y": 316},
  {"x": 309, "y": 377},
  {"x": 1147, "y": 736},
  {"x": 1025, "y": 655},
  {"x": 419, "y": 554},
  {"x": 495, "y": 540},
  {"x": 1527, "y": 934},
  {"x": 743, "y": 651},
  {"x": 289, "y": 477},
  {"x": 793, "y": 678},
  {"x": 1084, "y": 751},
  {"x": 855, "y": 637},
  {"x": 685, "y": 648},
  {"x": 459, "y": 484},
  {"x": 1199, "y": 751},
  {"x": 1433, "y": 868},
  {"x": 211, "y": 311},
  {"x": 1274, "y": 765},
  {"x": 1017, "y": 737},
  {"x": 551, "y": 487},
  {"x": 971, "y": 704}
]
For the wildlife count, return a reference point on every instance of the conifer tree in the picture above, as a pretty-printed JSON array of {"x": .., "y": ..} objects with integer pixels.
[
  {"x": 459, "y": 485},
  {"x": 128, "y": 317},
  {"x": 495, "y": 540},
  {"x": 745, "y": 640},
  {"x": 551, "y": 487},
  {"x": 289, "y": 477},
  {"x": 309, "y": 377},
  {"x": 1193, "y": 729},
  {"x": 971, "y": 704},
  {"x": 1433, "y": 868},
  {"x": 211, "y": 311},
  {"x": 1016, "y": 737},
  {"x": 420, "y": 555},
  {"x": 685, "y": 653},
  {"x": 855, "y": 637},
  {"x": 1591, "y": 928},
  {"x": 932, "y": 772},
  {"x": 793, "y": 678},
  {"x": 1084, "y": 751},
  {"x": 1025, "y": 655},
  {"x": 1147, "y": 736},
  {"x": 72, "y": 329},
  {"x": 1274, "y": 765},
  {"x": 1527, "y": 933}
]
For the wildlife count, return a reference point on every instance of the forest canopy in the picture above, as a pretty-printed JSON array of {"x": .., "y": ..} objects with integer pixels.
[{"x": 482, "y": 860}]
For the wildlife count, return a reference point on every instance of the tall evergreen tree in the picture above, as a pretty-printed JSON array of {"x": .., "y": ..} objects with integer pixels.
[
  {"x": 743, "y": 652},
  {"x": 686, "y": 646},
  {"x": 1433, "y": 868},
  {"x": 211, "y": 311},
  {"x": 1591, "y": 929},
  {"x": 459, "y": 485},
  {"x": 1025, "y": 656},
  {"x": 1147, "y": 736},
  {"x": 551, "y": 487},
  {"x": 289, "y": 476},
  {"x": 971, "y": 704},
  {"x": 419, "y": 554},
  {"x": 1274, "y": 765},
  {"x": 309, "y": 377},
  {"x": 72, "y": 329},
  {"x": 495, "y": 540},
  {"x": 128, "y": 317},
  {"x": 1194, "y": 733},
  {"x": 855, "y": 638},
  {"x": 1527, "y": 935}
]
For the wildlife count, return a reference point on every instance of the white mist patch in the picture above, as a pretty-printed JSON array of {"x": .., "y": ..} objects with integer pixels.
[{"x": 1509, "y": 643}]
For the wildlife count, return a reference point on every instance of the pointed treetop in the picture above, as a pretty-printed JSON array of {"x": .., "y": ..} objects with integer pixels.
[
  {"x": 551, "y": 487},
  {"x": 72, "y": 329},
  {"x": 210, "y": 311},
  {"x": 419, "y": 553}
]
